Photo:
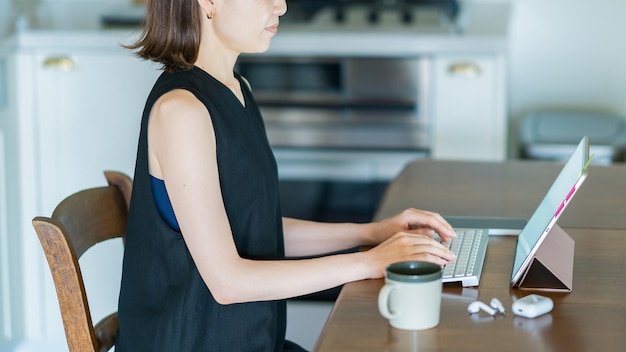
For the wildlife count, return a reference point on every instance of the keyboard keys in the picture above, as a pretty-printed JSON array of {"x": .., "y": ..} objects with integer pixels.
[{"x": 465, "y": 247}]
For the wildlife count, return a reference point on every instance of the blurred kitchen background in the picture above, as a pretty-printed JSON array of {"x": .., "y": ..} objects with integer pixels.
[{"x": 351, "y": 91}]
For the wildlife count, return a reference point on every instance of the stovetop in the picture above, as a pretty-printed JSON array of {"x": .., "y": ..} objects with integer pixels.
[
  {"x": 434, "y": 15},
  {"x": 370, "y": 11}
]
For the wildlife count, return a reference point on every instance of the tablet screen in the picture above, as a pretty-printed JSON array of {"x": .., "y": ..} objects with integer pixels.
[{"x": 558, "y": 196}]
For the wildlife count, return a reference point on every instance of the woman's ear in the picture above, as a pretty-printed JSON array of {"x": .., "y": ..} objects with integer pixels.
[{"x": 208, "y": 7}]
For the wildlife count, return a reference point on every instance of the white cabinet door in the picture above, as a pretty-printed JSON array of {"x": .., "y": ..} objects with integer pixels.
[
  {"x": 88, "y": 111},
  {"x": 88, "y": 115},
  {"x": 469, "y": 108}
]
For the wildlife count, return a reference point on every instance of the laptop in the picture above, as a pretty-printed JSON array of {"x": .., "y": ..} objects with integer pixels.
[{"x": 472, "y": 240}]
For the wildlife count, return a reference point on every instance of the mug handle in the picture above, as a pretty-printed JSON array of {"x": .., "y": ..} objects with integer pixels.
[{"x": 383, "y": 302}]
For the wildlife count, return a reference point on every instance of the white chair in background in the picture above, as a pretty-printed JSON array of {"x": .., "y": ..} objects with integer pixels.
[{"x": 553, "y": 135}]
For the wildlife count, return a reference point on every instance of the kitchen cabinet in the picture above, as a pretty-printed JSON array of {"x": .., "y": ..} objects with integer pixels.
[
  {"x": 468, "y": 116},
  {"x": 70, "y": 111}
]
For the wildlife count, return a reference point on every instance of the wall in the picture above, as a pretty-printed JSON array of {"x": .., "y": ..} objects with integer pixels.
[
  {"x": 567, "y": 54},
  {"x": 5, "y": 328}
]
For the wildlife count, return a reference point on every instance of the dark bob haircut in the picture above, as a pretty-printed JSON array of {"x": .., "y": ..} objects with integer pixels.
[{"x": 171, "y": 35}]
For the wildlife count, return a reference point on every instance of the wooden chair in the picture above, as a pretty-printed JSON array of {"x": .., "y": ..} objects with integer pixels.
[{"x": 77, "y": 223}]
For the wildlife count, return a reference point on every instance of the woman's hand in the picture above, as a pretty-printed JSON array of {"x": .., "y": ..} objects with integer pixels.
[
  {"x": 405, "y": 246},
  {"x": 412, "y": 221},
  {"x": 408, "y": 236}
]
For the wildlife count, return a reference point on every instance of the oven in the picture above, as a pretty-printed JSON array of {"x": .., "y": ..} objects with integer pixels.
[{"x": 341, "y": 127}]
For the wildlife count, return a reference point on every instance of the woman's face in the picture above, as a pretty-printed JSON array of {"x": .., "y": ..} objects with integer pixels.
[{"x": 247, "y": 26}]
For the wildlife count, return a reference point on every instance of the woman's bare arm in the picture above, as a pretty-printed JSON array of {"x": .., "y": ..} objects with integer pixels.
[{"x": 182, "y": 152}]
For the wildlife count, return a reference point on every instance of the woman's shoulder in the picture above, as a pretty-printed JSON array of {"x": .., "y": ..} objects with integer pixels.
[{"x": 178, "y": 102}]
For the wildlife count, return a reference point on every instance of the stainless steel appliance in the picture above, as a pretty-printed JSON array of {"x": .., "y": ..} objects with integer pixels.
[
  {"x": 342, "y": 126},
  {"x": 342, "y": 103}
]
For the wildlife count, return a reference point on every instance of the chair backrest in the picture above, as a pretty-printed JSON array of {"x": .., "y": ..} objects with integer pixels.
[{"x": 80, "y": 221}]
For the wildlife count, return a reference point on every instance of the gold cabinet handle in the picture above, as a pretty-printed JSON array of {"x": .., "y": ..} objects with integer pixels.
[
  {"x": 60, "y": 63},
  {"x": 464, "y": 69}
]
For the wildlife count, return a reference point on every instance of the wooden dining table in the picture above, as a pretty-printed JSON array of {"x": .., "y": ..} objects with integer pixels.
[
  {"x": 590, "y": 318},
  {"x": 511, "y": 189}
]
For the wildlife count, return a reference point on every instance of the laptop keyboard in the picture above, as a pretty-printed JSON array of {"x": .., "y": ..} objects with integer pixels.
[{"x": 470, "y": 250}]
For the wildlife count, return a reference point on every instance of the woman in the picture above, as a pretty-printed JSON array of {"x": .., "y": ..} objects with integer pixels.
[{"x": 205, "y": 265}]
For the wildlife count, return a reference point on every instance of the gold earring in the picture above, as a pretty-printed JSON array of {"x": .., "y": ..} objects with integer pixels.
[{"x": 209, "y": 16}]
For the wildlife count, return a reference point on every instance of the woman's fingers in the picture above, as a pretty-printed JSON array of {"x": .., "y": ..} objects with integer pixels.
[
  {"x": 419, "y": 245},
  {"x": 423, "y": 219}
]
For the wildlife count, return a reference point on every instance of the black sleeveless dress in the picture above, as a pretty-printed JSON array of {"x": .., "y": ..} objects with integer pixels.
[{"x": 164, "y": 304}]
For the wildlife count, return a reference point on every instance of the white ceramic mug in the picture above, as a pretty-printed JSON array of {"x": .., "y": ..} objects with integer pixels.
[{"x": 411, "y": 297}]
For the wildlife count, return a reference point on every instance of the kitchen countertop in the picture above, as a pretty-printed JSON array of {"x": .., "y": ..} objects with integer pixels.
[{"x": 482, "y": 27}]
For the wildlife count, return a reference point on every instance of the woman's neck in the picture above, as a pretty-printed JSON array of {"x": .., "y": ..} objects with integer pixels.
[{"x": 225, "y": 75}]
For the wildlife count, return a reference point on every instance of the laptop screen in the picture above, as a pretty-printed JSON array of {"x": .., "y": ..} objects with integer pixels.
[{"x": 550, "y": 208}]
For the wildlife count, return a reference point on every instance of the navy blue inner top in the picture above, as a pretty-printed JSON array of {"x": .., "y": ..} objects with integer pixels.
[{"x": 163, "y": 204}]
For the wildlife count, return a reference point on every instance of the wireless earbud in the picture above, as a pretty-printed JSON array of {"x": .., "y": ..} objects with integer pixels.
[
  {"x": 496, "y": 304},
  {"x": 476, "y": 306},
  {"x": 494, "y": 308}
]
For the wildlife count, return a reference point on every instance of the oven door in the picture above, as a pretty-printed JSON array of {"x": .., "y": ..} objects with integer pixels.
[
  {"x": 336, "y": 185},
  {"x": 341, "y": 128}
]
